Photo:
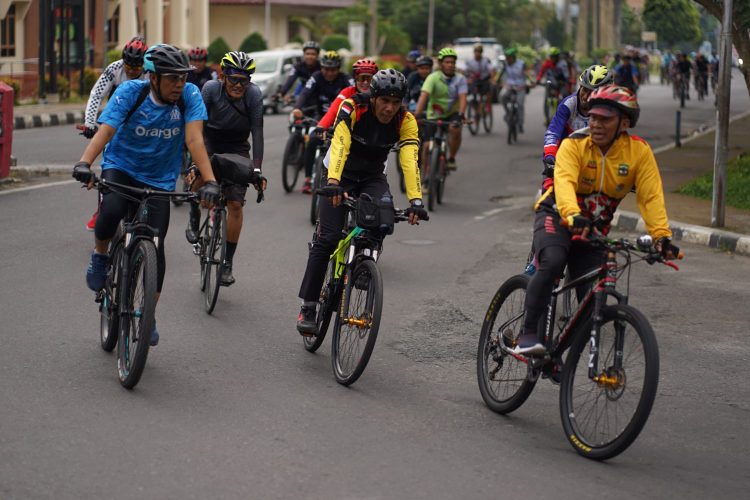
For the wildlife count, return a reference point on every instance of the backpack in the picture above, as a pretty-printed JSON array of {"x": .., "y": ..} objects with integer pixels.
[{"x": 142, "y": 97}]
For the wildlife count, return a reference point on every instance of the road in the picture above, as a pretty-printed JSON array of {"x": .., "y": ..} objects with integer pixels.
[{"x": 231, "y": 406}]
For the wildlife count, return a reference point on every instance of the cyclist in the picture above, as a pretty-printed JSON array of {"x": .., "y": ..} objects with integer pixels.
[
  {"x": 411, "y": 63},
  {"x": 415, "y": 80},
  {"x": 683, "y": 68},
  {"x": 235, "y": 111},
  {"x": 481, "y": 73},
  {"x": 596, "y": 168},
  {"x": 303, "y": 69},
  {"x": 444, "y": 97},
  {"x": 320, "y": 91},
  {"x": 202, "y": 73},
  {"x": 554, "y": 70},
  {"x": 363, "y": 71},
  {"x": 357, "y": 166},
  {"x": 130, "y": 67},
  {"x": 144, "y": 149},
  {"x": 626, "y": 74},
  {"x": 701, "y": 73},
  {"x": 515, "y": 79}
]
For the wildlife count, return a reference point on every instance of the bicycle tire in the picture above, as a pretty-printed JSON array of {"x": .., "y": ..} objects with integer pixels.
[
  {"x": 346, "y": 369},
  {"x": 487, "y": 118},
  {"x": 326, "y": 305},
  {"x": 317, "y": 184},
  {"x": 512, "y": 126},
  {"x": 108, "y": 313},
  {"x": 432, "y": 184},
  {"x": 135, "y": 331},
  {"x": 441, "y": 178},
  {"x": 215, "y": 254},
  {"x": 571, "y": 418},
  {"x": 205, "y": 238},
  {"x": 682, "y": 95},
  {"x": 472, "y": 116},
  {"x": 509, "y": 401},
  {"x": 292, "y": 161}
]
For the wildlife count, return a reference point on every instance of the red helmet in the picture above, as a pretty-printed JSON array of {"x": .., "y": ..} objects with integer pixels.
[
  {"x": 134, "y": 51},
  {"x": 198, "y": 54},
  {"x": 364, "y": 67},
  {"x": 619, "y": 98}
]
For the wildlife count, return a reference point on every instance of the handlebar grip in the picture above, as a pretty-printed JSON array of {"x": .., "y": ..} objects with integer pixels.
[
  {"x": 578, "y": 237},
  {"x": 261, "y": 196}
]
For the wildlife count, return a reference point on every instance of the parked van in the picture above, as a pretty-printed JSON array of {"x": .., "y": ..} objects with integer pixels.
[{"x": 272, "y": 67}]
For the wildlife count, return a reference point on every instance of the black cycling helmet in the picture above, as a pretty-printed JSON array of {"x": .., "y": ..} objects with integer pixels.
[
  {"x": 311, "y": 45},
  {"x": 425, "y": 61},
  {"x": 132, "y": 53},
  {"x": 331, "y": 59},
  {"x": 388, "y": 82},
  {"x": 165, "y": 58}
]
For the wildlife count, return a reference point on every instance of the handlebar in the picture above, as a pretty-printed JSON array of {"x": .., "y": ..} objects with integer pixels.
[
  {"x": 651, "y": 255},
  {"x": 350, "y": 202},
  {"x": 103, "y": 184}
]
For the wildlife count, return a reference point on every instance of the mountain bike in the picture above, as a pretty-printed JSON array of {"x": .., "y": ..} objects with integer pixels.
[
  {"x": 682, "y": 89},
  {"x": 187, "y": 160},
  {"x": 551, "y": 100},
  {"x": 319, "y": 175},
  {"x": 128, "y": 300},
  {"x": 294, "y": 152},
  {"x": 610, "y": 374},
  {"x": 513, "y": 116},
  {"x": 437, "y": 171},
  {"x": 478, "y": 109},
  {"x": 211, "y": 247},
  {"x": 700, "y": 85},
  {"x": 353, "y": 288}
]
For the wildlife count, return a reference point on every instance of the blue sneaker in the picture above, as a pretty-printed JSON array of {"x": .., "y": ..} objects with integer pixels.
[
  {"x": 154, "y": 336},
  {"x": 529, "y": 345},
  {"x": 96, "y": 274}
]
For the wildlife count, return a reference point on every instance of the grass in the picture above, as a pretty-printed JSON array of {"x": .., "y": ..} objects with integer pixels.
[{"x": 738, "y": 184}]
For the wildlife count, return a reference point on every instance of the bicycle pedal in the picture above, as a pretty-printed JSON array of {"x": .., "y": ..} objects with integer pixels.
[{"x": 196, "y": 249}]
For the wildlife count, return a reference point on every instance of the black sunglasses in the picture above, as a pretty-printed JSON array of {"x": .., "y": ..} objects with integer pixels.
[{"x": 238, "y": 80}]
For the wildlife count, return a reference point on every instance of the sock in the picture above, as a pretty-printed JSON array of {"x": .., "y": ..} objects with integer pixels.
[{"x": 231, "y": 247}]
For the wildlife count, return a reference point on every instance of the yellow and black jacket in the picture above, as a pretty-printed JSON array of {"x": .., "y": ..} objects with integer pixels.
[
  {"x": 361, "y": 144},
  {"x": 588, "y": 183}
]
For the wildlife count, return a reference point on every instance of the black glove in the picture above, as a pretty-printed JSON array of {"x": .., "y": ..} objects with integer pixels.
[
  {"x": 549, "y": 166},
  {"x": 331, "y": 190},
  {"x": 579, "y": 222},
  {"x": 417, "y": 208},
  {"x": 82, "y": 172},
  {"x": 89, "y": 131},
  {"x": 667, "y": 250},
  {"x": 209, "y": 192}
]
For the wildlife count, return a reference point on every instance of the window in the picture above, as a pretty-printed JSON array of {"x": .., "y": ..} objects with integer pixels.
[
  {"x": 113, "y": 29},
  {"x": 8, "y": 33}
]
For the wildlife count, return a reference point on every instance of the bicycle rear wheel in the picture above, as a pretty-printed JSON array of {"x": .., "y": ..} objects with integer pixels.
[
  {"x": 487, "y": 117},
  {"x": 602, "y": 418},
  {"x": 137, "y": 322},
  {"x": 472, "y": 115},
  {"x": 108, "y": 312},
  {"x": 683, "y": 93},
  {"x": 433, "y": 177},
  {"x": 215, "y": 254},
  {"x": 513, "y": 125},
  {"x": 441, "y": 178},
  {"x": 292, "y": 162},
  {"x": 318, "y": 182},
  {"x": 355, "y": 331},
  {"x": 503, "y": 378},
  {"x": 327, "y": 304}
]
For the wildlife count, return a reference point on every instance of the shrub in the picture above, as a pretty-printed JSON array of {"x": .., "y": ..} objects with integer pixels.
[
  {"x": 254, "y": 42},
  {"x": 16, "y": 89},
  {"x": 217, "y": 49},
  {"x": 113, "y": 55},
  {"x": 297, "y": 39},
  {"x": 63, "y": 86},
  {"x": 336, "y": 42},
  {"x": 90, "y": 76}
]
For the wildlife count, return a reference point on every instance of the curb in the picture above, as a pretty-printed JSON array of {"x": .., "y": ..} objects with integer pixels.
[
  {"x": 47, "y": 119},
  {"x": 713, "y": 238},
  {"x": 697, "y": 134}
]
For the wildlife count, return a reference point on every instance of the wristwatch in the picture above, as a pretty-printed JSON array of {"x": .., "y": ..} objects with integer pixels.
[{"x": 417, "y": 203}]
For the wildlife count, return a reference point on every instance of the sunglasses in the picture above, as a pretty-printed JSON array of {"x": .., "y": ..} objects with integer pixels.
[
  {"x": 238, "y": 80},
  {"x": 364, "y": 78},
  {"x": 175, "y": 78},
  {"x": 130, "y": 67}
]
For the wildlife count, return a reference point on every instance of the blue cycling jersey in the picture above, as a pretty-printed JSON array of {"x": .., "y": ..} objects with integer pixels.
[{"x": 149, "y": 146}]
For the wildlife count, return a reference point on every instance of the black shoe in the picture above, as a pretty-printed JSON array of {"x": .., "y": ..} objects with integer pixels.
[
  {"x": 191, "y": 233},
  {"x": 307, "y": 324},
  {"x": 226, "y": 274},
  {"x": 520, "y": 128}
]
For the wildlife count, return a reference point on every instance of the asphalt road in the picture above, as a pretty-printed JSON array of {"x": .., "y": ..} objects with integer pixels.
[{"x": 231, "y": 406}]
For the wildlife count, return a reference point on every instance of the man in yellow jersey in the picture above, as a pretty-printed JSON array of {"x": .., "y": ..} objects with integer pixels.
[
  {"x": 367, "y": 128},
  {"x": 595, "y": 168}
]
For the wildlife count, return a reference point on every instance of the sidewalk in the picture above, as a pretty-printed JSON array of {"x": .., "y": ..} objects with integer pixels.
[
  {"x": 47, "y": 115},
  {"x": 680, "y": 165}
]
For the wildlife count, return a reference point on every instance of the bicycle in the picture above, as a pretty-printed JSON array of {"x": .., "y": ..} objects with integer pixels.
[
  {"x": 700, "y": 85},
  {"x": 479, "y": 108},
  {"x": 293, "y": 161},
  {"x": 513, "y": 116},
  {"x": 600, "y": 372},
  {"x": 187, "y": 160},
  {"x": 211, "y": 247},
  {"x": 319, "y": 174},
  {"x": 437, "y": 171},
  {"x": 353, "y": 288},
  {"x": 128, "y": 300},
  {"x": 551, "y": 100},
  {"x": 682, "y": 89}
]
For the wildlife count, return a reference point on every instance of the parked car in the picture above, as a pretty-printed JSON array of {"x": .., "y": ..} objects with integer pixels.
[{"x": 272, "y": 67}]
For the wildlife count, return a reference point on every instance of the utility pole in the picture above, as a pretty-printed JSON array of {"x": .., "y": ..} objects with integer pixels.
[
  {"x": 373, "y": 28},
  {"x": 43, "y": 33},
  {"x": 267, "y": 27},
  {"x": 430, "y": 26},
  {"x": 722, "y": 120}
]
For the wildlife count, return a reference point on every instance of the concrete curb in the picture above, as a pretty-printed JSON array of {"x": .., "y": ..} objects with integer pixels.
[
  {"x": 698, "y": 134},
  {"x": 47, "y": 119},
  {"x": 713, "y": 238}
]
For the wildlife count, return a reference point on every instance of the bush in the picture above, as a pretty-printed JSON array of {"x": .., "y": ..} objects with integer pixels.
[
  {"x": 598, "y": 54},
  {"x": 527, "y": 54},
  {"x": 336, "y": 42},
  {"x": 254, "y": 42},
  {"x": 16, "y": 89},
  {"x": 217, "y": 49},
  {"x": 297, "y": 39},
  {"x": 738, "y": 184},
  {"x": 63, "y": 86},
  {"x": 90, "y": 76},
  {"x": 397, "y": 40},
  {"x": 113, "y": 55}
]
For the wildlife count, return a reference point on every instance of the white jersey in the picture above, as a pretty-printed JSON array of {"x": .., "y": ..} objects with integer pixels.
[
  {"x": 515, "y": 75},
  {"x": 113, "y": 75}
]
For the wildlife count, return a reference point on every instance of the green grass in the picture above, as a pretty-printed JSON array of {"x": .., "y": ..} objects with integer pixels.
[{"x": 738, "y": 184}]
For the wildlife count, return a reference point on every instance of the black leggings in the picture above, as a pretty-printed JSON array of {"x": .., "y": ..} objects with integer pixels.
[
  {"x": 114, "y": 208},
  {"x": 329, "y": 233},
  {"x": 312, "y": 147}
]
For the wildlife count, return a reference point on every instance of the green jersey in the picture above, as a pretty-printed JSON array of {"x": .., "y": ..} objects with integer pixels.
[{"x": 444, "y": 94}]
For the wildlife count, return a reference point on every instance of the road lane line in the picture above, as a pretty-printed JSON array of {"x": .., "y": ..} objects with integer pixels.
[{"x": 37, "y": 186}]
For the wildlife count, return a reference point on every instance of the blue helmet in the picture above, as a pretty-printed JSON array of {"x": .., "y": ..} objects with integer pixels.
[{"x": 413, "y": 56}]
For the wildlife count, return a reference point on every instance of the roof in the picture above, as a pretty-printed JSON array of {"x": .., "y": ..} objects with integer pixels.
[{"x": 289, "y": 3}]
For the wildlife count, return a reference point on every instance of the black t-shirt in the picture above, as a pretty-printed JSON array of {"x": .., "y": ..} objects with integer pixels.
[
  {"x": 201, "y": 78},
  {"x": 413, "y": 86},
  {"x": 301, "y": 71},
  {"x": 230, "y": 122},
  {"x": 684, "y": 66},
  {"x": 320, "y": 93}
]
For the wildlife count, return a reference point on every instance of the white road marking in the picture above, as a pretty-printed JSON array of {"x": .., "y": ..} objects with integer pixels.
[{"x": 36, "y": 186}]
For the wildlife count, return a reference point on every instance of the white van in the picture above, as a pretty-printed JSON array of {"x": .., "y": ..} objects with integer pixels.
[{"x": 272, "y": 67}]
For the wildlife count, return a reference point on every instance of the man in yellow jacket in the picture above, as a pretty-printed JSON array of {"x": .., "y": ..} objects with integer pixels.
[{"x": 596, "y": 167}]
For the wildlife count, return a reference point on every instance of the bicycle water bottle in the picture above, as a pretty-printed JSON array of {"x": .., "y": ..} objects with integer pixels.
[{"x": 387, "y": 214}]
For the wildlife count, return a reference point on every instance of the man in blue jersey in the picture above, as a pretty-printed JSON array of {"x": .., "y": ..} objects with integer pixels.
[{"x": 142, "y": 132}]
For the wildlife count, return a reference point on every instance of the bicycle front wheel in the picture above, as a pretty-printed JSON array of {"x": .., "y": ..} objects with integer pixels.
[
  {"x": 472, "y": 116},
  {"x": 318, "y": 183},
  {"x": 109, "y": 315},
  {"x": 487, "y": 117},
  {"x": 512, "y": 125},
  {"x": 214, "y": 258},
  {"x": 139, "y": 304},
  {"x": 292, "y": 162},
  {"x": 433, "y": 177},
  {"x": 327, "y": 304},
  {"x": 503, "y": 378},
  {"x": 604, "y": 415},
  {"x": 355, "y": 331}
]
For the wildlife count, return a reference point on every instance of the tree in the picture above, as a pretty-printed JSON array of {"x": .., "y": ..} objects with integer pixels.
[
  {"x": 253, "y": 42},
  {"x": 673, "y": 20},
  {"x": 336, "y": 42},
  {"x": 740, "y": 29},
  {"x": 217, "y": 49},
  {"x": 630, "y": 26}
]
